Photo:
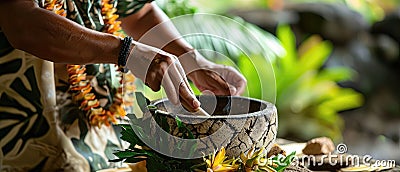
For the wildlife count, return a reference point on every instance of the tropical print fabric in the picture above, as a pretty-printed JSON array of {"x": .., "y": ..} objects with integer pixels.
[
  {"x": 30, "y": 136},
  {"x": 40, "y": 128}
]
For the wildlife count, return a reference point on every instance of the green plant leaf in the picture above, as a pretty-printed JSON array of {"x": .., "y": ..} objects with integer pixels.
[
  {"x": 336, "y": 74},
  {"x": 315, "y": 57},
  {"x": 134, "y": 159},
  {"x": 186, "y": 133},
  {"x": 283, "y": 162},
  {"x": 288, "y": 41},
  {"x": 129, "y": 135},
  {"x": 345, "y": 99},
  {"x": 142, "y": 101},
  {"x": 249, "y": 71}
]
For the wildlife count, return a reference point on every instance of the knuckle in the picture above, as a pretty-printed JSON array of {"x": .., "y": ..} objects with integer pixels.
[
  {"x": 169, "y": 59},
  {"x": 156, "y": 88}
]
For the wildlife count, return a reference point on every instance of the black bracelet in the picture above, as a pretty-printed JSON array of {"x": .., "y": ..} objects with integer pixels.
[{"x": 124, "y": 52}]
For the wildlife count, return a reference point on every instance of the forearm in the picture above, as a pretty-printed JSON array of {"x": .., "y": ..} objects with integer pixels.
[
  {"x": 163, "y": 36},
  {"x": 54, "y": 38}
]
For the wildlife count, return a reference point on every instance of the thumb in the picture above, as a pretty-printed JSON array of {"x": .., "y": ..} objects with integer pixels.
[{"x": 232, "y": 90}]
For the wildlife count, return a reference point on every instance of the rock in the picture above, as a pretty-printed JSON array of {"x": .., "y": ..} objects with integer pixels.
[
  {"x": 276, "y": 150},
  {"x": 296, "y": 168},
  {"x": 319, "y": 146}
]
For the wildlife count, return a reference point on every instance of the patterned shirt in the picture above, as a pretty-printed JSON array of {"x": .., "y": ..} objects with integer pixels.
[{"x": 37, "y": 136}]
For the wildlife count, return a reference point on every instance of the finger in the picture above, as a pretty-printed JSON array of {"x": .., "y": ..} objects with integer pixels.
[
  {"x": 186, "y": 95},
  {"x": 240, "y": 87},
  {"x": 183, "y": 74},
  {"x": 153, "y": 81},
  {"x": 189, "y": 102},
  {"x": 235, "y": 79},
  {"x": 232, "y": 90},
  {"x": 156, "y": 72},
  {"x": 207, "y": 92},
  {"x": 219, "y": 86},
  {"x": 171, "y": 82},
  {"x": 170, "y": 89},
  {"x": 207, "y": 86},
  {"x": 239, "y": 82}
]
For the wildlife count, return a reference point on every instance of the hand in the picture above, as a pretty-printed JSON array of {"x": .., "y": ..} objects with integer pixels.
[
  {"x": 156, "y": 67},
  {"x": 208, "y": 76}
]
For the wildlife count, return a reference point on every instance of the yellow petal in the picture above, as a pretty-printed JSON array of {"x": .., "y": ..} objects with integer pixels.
[
  {"x": 243, "y": 157},
  {"x": 223, "y": 169},
  {"x": 259, "y": 152},
  {"x": 220, "y": 157},
  {"x": 213, "y": 157},
  {"x": 250, "y": 153},
  {"x": 208, "y": 162}
]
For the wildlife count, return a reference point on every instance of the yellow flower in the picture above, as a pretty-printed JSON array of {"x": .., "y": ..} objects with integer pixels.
[
  {"x": 256, "y": 161},
  {"x": 217, "y": 163}
]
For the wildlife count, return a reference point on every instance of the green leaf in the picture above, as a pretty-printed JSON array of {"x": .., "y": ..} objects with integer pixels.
[
  {"x": 345, "y": 99},
  {"x": 186, "y": 133},
  {"x": 284, "y": 162},
  {"x": 248, "y": 69},
  {"x": 134, "y": 159},
  {"x": 142, "y": 101},
  {"x": 179, "y": 122},
  {"x": 288, "y": 41},
  {"x": 315, "y": 57},
  {"x": 336, "y": 74},
  {"x": 161, "y": 119},
  {"x": 125, "y": 154},
  {"x": 129, "y": 135}
]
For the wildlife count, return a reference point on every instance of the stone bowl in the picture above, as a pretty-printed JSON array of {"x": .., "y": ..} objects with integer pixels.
[{"x": 237, "y": 123}]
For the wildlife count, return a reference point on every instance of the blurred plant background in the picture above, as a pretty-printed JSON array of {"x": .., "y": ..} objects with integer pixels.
[{"x": 335, "y": 63}]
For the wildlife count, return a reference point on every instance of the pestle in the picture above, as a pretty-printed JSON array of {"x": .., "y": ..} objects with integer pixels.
[{"x": 199, "y": 111}]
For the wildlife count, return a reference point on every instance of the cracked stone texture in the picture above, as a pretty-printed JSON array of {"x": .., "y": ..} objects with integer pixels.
[{"x": 237, "y": 123}]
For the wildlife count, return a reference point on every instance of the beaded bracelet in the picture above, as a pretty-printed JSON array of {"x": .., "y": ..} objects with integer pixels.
[{"x": 124, "y": 52}]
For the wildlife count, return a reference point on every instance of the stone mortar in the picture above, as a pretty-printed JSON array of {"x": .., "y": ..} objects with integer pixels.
[{"x": 236, "y": 123}]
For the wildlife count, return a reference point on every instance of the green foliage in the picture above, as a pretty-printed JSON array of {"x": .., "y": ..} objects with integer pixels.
[
  {"x": 231, "y": 38},
  {"x": 308, "y": 98},
  {"x": 175, "y": 8},
  {"x": 283, "y": 161},
  {"x": 139, "y": 151},
  {"x": 307, "y": 95},
  {"x": 154, "y": 161},
  {"x": 186, "y": 133},
  {"x": 371, "y": 10}
]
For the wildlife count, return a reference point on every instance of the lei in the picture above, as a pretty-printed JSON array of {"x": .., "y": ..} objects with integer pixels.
[{"x": 80, "y": 86}]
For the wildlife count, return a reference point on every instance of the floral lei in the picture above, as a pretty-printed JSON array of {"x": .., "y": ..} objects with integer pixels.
[{"x": 80, "y": 86}]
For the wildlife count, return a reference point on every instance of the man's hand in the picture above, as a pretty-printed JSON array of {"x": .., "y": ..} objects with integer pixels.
[
  {"x": 156, "y": 67},
  {"x": 208, "y": 76}
]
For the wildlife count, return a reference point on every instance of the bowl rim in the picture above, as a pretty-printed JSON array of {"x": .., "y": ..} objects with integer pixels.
[{"x": 269, "y": 110}]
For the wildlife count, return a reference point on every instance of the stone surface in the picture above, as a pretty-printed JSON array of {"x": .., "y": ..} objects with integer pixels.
[
  {"x": 319, "y": 146},
  {"x": 236, "y": 124}
]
